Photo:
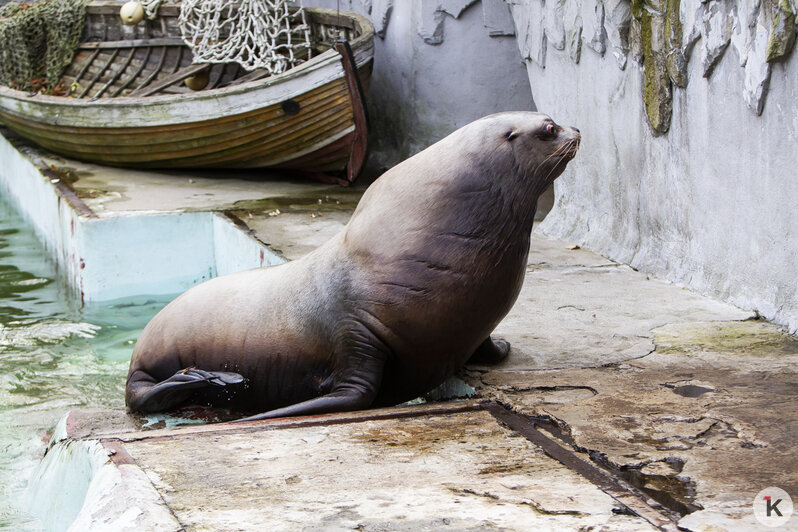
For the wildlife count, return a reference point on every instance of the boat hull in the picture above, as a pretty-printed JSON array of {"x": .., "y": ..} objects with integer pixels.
[{"x": 305, "y": 119}]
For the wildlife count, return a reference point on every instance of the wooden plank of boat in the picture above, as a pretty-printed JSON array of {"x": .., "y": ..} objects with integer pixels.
[
  {"x": 177, "y": 77},
  {"x": 132, "y": 43},
  {"x": 357, "y": 157},
  {"x": 311, "y": 117}
]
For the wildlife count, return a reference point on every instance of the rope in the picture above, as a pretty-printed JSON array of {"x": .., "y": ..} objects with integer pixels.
[
  {"x": 253, "y": 33},
  {"x": 151, "y": 7}
]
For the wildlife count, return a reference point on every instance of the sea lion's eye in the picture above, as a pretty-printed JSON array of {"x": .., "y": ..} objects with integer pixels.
[
  {"x": 549, "y": 131},
  {"x": 510, "y": 135}
]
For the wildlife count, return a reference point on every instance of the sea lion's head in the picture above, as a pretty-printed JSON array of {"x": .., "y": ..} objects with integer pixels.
[{"x": 538, "y": 147}]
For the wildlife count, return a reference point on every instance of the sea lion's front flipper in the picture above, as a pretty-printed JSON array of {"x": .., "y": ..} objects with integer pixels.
[
  {"x": 146, "y": 396},
  {"x": 354, "y": 389},
  {"x": 491, "y": 351}
]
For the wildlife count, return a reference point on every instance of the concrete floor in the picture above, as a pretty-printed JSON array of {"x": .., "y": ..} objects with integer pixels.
[{"x": 642, "y": 405}]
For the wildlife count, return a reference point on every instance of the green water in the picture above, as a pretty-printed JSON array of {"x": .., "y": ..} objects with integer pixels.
[{"x": 54, "y": 356}]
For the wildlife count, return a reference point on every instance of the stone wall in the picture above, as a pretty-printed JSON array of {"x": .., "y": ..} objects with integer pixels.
[
  {"x": 438, "y": 65},
  {"x": 689, "y": 165}
]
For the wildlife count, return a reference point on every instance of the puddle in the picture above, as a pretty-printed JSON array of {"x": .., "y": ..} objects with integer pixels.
[
  {"x": 692, "y": 389},
  {"x": 344, "y": 201},
  {"x": 662, "y": 482}
]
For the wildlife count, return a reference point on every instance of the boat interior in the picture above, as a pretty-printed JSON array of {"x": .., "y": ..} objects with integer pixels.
[{"x": 150, "y": 58}]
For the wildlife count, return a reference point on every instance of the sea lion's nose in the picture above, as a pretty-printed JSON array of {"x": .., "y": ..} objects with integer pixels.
[{"x": 576, "y": 129}]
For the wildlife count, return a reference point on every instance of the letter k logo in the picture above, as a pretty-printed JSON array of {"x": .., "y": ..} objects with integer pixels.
[{"x": 772, "y": 506}]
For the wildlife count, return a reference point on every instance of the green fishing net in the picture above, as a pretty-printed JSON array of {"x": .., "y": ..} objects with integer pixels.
[{"x": 37, "y": 41}]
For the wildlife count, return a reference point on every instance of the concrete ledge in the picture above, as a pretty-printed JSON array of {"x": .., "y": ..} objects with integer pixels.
[
  {"x": 456, "y": 465},
  {"x": 124, "y": 253}
]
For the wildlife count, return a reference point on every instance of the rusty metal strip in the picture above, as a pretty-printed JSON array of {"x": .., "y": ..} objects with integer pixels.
[
  {"x": 305, "y": 421},
  {"x": 65, "y": 191},
  {"x": 632, "y": 501},
  {"x": 117, "y": 452}
]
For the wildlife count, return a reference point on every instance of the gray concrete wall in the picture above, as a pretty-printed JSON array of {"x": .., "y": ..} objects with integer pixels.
[
  {"x": 689, "y": 162},
  {"x": 438, "y": 65}
]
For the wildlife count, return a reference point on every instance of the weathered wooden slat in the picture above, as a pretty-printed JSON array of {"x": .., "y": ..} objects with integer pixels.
[
  {"x": 358, "y": 98},
  {"x": 83, "y": 71},
  {"x": 219, "y": 147},
  {"x": 206, "y": 140},
  {"x": 271, "y": 116},
  {"x": 233, "y": 160},
  {"x": 112, "y": 8},
  {"x": 256, "y": 74},
  {"x": 154, "y": 73},
  {"x": 177, "y": 62},
  {"x": 217, "y": 71},
  {"x": 270, "y": 145},
  {"x": 138, "y": 43},
  {"x": 115, "y": 75},
  {"x": 145, "y": 71},
  {"x": 99, "y": 74},
  {"x": 136, "y": 72},
  {"x": 177, "y": 77}
]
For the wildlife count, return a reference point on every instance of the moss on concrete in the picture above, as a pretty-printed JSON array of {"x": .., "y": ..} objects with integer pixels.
[
  {"x": 656, "y": 44},
  {"x": 676, "y": 63},
  {"x": 742, "y": 338},
  {"x": 782, "y": 36}
]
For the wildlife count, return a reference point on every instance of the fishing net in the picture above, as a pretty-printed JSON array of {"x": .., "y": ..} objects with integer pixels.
[
  {"x": 38, "y": 42},
  {"x": 254, "y": 33}
]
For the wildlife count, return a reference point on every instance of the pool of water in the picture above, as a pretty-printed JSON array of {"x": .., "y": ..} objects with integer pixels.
[{"x": 54, "y": 356}]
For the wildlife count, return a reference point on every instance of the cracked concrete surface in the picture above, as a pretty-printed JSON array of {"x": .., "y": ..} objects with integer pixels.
[
  {"x": 459, "y": 471},
  {"x": 578, "y": 309},
  {"x": 701, "y": 424}
]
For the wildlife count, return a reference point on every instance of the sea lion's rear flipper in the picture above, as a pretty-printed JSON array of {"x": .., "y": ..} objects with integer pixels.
[
  {"x": 491, "y": 351},
  {"x": 354, "y": 389},
  {"x": 144, "y": 395}
]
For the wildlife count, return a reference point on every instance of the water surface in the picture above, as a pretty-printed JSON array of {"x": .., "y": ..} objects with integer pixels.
[{"x": 54, "y": 356}]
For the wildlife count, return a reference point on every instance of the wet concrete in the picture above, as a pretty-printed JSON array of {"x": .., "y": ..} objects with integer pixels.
[
  {"x": 701, "y": 424},
  {"x": 459, "y": 471},
  {"x": 688, "y": 406}
]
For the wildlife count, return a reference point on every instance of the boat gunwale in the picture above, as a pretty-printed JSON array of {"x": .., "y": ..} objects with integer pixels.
[{"x": 363, "y": 42}]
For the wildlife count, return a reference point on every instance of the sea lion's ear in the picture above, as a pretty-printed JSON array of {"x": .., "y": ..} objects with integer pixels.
[{"x": 512, "y": 134}]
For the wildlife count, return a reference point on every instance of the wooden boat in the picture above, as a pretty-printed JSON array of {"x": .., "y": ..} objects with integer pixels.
[{"x": 128, "y": 106}]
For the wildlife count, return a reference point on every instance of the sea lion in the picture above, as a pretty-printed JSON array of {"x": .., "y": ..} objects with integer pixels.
[{"x": 430, "y": 262}]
